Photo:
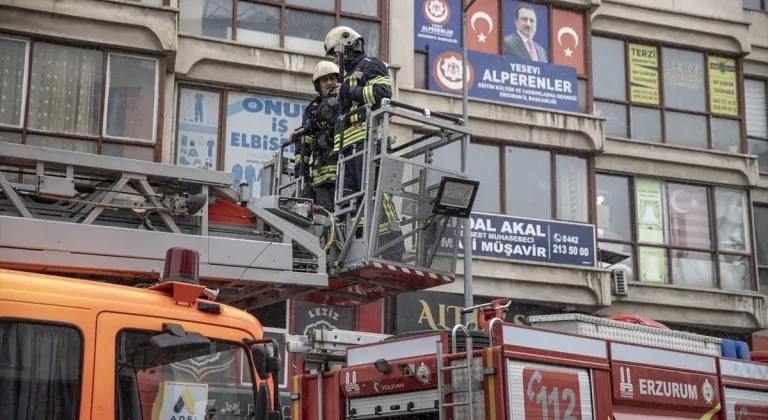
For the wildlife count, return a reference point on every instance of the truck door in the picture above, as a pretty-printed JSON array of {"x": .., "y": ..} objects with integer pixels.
[{"x": 138, "y": 381}]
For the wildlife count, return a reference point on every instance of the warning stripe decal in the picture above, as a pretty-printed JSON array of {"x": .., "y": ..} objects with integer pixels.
[{"x": 415, "y": 272}]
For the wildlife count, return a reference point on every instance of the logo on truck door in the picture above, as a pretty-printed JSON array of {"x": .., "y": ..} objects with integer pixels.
[
  {"x": 664, "y": 386},
  {"x": 351, "y": 386},
  {"x": 183, "y": 401},
  {"x": 551, "y": 394}
]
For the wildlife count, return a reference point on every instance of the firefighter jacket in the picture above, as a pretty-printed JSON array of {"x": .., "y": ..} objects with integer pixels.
[
  {"x": 314, "y": 149},
  {"x": 367, "y": 82}
]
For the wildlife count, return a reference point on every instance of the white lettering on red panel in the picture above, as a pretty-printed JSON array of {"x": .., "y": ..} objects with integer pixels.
[{"x": 551, "y": 390}]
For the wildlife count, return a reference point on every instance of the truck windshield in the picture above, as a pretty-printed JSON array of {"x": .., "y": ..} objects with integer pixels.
[{"x": 214, "y": 383}]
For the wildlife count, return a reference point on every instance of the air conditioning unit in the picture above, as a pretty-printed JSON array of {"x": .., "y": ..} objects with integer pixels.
[{"x": 620, "y": 286}]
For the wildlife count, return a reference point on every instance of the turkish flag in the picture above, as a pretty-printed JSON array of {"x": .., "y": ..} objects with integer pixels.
[
  {"x": 568, "y": 39},
  {"x": 483, "y": 27}
]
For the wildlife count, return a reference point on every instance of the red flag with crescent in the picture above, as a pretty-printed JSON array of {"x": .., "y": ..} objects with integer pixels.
[
  {"x": 483, "y": 29},
  {"x": 568, "y": 39}
]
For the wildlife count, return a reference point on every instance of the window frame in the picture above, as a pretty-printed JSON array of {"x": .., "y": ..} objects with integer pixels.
[
  {"x": 763, "y": 7},
  {"x": 11, "y": 319},
  {"x": 553, "y": 154},
  {"x": 242, "y": 346},
  {"x": 220, "y": 132},
  {"x": 100, "y": 138},
  {"x": 25, "y": 80},
  {"x": 708, "y": 114},
  {"x": 715, "y": 252},
  {"x": 752, "y": 137},
  {"x": 155, "y": 105},
  {"x": 581, "y": 77},
  {"x": 382, "y": 19},
  {"x": 758, "y": 266}
]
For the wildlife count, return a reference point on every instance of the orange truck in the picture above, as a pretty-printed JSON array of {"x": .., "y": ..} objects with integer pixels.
[
  {"x": 566, "y": 367},
  {"x": 79, "y": 349}
]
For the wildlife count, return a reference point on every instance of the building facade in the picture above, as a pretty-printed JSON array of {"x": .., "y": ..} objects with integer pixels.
[{"x": 635, "y": 126}]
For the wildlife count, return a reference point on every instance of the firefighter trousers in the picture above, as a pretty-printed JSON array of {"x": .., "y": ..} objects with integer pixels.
[{"x": 322, "y": 195}]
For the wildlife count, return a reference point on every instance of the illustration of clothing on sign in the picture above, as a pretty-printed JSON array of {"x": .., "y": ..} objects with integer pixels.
[
  {"x": 199, "y": 107},
  {"x": 210, "y": 145},
  {"x": 193, "y": 153},
  {"x": 250, "y": 177},
  {"x": 237, "y": 175}
]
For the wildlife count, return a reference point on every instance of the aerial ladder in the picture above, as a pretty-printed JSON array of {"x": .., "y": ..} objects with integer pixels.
[{"x": 112, "y": 219}]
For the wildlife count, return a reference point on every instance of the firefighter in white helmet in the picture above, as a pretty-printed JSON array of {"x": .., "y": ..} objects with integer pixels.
[
  {"x": 366, "y": 81},
  {"x": 314, "y": 149}
]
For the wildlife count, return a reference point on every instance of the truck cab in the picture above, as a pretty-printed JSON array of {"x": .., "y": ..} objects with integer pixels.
[{"x": 79, "y": 349}]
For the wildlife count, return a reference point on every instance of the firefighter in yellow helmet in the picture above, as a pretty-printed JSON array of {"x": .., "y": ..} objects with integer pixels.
[
  {"x": 314, "y": 149},
  {"x": 366, "y": 81}
]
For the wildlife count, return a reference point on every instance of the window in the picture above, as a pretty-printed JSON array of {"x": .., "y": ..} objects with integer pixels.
[
  {"x": 81, "y": 99},
  {"x": 493, "y": 22},
  {"x": 755, "y": 4},
  {"x": 274, "y": 319},
  {"x": 666, "y": 95},
  {"x": 682, "y": 234},
  {"x": 197, "y": 134},
  {"x": 756, "y": 100},
  {"x": 761, "y": 237},
  {"x": 148, "y": 379},
  {"x": 298, "y": 25},
  {"x": 41, "y": 369},
  {"x": 555, "y": 185}
]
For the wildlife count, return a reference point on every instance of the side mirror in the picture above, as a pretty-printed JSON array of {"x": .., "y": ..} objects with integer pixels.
[{"x": 260, "y": 358}]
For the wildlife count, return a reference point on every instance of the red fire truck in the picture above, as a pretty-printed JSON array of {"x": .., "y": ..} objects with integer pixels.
[{"x": 565, "y": 367}]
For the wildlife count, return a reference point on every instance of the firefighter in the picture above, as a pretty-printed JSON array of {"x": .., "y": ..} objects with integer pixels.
[
  {"x": 316, "y": 143},
  {"x": 366, "y": 81}
]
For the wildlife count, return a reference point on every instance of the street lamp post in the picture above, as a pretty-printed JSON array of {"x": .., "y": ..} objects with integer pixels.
[{"x": 468, "y": 295}]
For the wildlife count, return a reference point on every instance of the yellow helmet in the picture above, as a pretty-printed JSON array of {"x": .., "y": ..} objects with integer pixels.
[
  {"x": 324, "y": 68},
  {"x": 340, "y": 35}
]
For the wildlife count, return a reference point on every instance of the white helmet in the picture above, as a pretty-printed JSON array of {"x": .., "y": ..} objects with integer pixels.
[
  {"x": 340, "y": 35},
  {"x": 324, "y": 68}
]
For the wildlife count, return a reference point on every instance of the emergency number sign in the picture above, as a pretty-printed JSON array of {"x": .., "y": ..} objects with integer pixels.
[{"x": 183, "y": 401}]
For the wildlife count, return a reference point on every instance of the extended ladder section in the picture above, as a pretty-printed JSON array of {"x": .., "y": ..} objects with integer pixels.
[
  {"x": 388, "y": 238},
  {"x": 113, "y": 219}
]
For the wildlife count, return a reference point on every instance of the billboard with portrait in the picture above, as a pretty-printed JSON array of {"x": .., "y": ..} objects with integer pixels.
[{"x": 526, "y": 27}]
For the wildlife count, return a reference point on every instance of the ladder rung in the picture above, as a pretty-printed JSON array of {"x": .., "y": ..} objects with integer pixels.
[
  {"x": 456, "y": 404},
  {"x": 454, "y": 367}
]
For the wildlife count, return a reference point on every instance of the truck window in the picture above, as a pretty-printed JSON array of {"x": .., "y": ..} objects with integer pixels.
[
  {"x": 210, "y": 384},
  {"x": 41, "y": 368}
]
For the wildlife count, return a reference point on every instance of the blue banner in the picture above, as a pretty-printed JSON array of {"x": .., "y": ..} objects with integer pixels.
[
  {"x": 499, "y": 78},
  {"x": 521, "y": 239},
  {"x": 436, "y": 21}
]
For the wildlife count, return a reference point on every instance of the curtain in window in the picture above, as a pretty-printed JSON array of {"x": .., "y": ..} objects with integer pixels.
[
  {"x": 12, "y": 59},
  {"x": 65, "y": 94},
  {"x": 40, "y": 371}
]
